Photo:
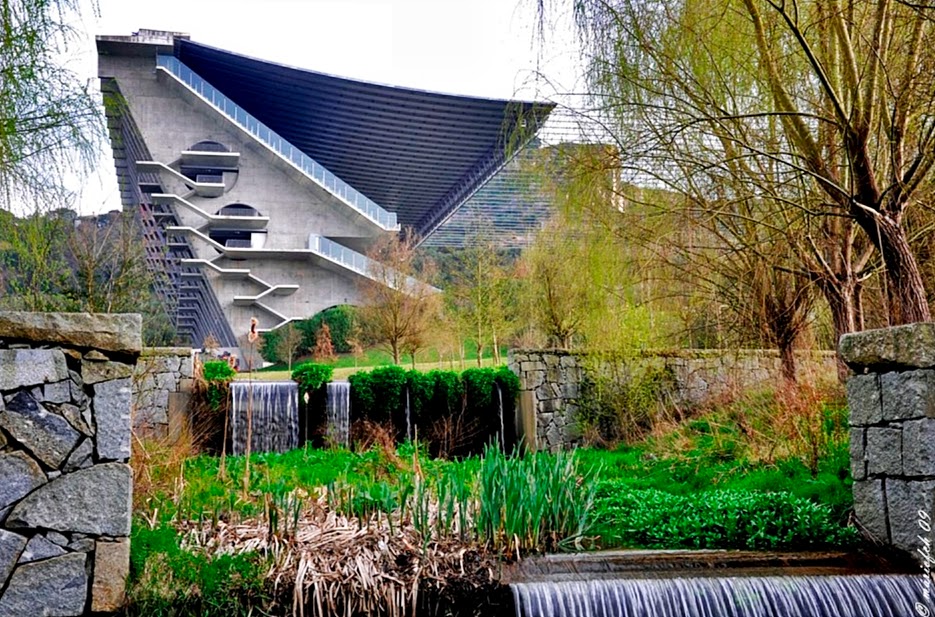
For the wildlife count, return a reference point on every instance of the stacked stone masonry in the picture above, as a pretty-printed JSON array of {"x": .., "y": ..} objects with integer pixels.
[
  {"x": 551, "y": 381},
  {"x": 65, "y": 481},
  {"x": 892, "y": 417},
  {"x": 162, "y": 385}
]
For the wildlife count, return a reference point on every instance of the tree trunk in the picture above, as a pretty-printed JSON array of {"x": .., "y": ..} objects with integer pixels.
[
  {"x": 395, "y": 348},
  {"x": 905, "y": 291},
  {"x": 843, "y": 301},
  {"x": 787, "y": 363}
]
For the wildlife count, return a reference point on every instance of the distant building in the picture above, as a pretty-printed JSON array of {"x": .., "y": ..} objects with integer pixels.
[{"x": 260, "y": 186}]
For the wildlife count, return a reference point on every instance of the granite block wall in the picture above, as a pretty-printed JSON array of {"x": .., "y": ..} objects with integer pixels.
[
  {"x": 552, "y": 380},
  {"x": 891, "y": 397},
  {"x": 162, "y": 386},
  {"x": 65, "y": 479}
]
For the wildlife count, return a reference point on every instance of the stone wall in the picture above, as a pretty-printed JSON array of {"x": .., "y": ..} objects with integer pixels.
[
  {"x": 65, "y": 481},
  {"x": 551, "y": 382},
  {"x": 891, "y": 398},
  {"x": 162, "y": 386}
]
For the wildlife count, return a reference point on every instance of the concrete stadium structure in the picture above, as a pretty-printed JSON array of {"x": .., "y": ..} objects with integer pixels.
[{"x": 260, "y": 187}]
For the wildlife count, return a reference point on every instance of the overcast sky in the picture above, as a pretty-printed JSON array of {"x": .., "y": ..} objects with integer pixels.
[{"x": 479, "y": 47}]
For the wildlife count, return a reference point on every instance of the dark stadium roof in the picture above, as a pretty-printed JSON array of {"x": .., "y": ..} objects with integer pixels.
[{"x": 418, "y": 154}]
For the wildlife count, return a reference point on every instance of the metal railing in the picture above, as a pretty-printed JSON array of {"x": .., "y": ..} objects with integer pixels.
[
  {"x": 362, "y": 264},
  {"x": 341, "y": 254},
  {"x": 324, "y": 178}
]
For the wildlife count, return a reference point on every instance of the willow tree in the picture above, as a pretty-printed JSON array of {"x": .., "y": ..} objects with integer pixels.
[
  {"x": 810, "y": 119},
  {"x": 50, "y": 124}
]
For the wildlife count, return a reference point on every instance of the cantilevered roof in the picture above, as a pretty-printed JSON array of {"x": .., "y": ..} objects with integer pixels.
[{"x": 418, "y": 154}]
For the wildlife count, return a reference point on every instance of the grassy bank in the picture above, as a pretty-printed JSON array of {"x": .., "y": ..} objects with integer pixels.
[{"x": 736, "y": 476}]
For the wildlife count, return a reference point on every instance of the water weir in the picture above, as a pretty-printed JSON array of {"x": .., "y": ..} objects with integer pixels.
[
  {"x": 865, "y": 595},
  {"x": 338, "y": 412},
  {"x": 274, "y": 406},
  {"x": 648, "y": 583}
]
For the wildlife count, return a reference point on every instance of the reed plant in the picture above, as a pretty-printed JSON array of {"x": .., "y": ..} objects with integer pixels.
[{"x": 537, "y": 501}]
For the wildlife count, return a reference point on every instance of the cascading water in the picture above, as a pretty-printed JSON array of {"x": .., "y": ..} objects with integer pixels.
[
  {"x": 338, "y": 412},
  {"x": 275, "y": 411},
  {"x": 408, "y": 421},
  {"x": 865, "y": 595},
  {"x": 500, "y": 411}
]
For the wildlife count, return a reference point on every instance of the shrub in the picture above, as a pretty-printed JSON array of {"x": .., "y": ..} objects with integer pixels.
[
  {"x": 457, "y": 413},
  {"x": 620, "y": 404},
  {"x": 217, "y": 375},
  {"x": 311, "y": 376}
]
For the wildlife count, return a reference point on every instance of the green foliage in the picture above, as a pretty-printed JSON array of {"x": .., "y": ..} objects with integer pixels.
[
  {"x": 341, "y": 321},
  {"x": 168, "y": 580},
  {"x": 217, "y": 375},
  {"x": 618, "y": 403},
  {"x": 379, "y": 395},
  {"x": 436, "y": 396},
  {"x": 705, "y": 469},
  {"x": 537, "y": 501},
  {"x": 311, "y": 376},
  {"x": 720, "y": 519},
  {"x": 217, "y": 371}
]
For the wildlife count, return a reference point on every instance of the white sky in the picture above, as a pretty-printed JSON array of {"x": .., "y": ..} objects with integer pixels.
[{"x": 479, "y": 47}]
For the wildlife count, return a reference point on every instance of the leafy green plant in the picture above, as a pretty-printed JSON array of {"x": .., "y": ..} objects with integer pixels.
[
  {"x": 717, "y": 519},
  {"x": 217, "y": 375},
  {"x": 311, "y": 376}
]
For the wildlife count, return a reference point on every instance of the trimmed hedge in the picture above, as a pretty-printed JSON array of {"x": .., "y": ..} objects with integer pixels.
[
  {"x": 461, "y": 410},
  {"x": 217, "y": 375},
  {"x": 311, "y": 376}
]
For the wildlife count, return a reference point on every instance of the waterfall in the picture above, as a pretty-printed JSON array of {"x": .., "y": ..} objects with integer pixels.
[
  {"x": 500, "y": 411},
  {"x": 275, "y": 426},
  {"x": 408, "y": 421},
  {"x": 865, "y": 595},
  {"x": 338, "y": 412}
]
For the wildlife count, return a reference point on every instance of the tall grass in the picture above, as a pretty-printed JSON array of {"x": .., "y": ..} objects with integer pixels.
[
  {"x": 537, "y": 501},
  {"x": 511, "y": 504}
]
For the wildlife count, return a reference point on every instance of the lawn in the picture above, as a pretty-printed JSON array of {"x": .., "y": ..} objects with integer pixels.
[{"x": 347, "y": 364}]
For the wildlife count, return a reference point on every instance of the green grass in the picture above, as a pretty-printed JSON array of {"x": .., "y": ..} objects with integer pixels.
[
  {"x": 167, "y": 580},
  {"x": 626, "y": 498},
  {"x": 378, "y": 357},
  {"x": 375, "y": 480}
]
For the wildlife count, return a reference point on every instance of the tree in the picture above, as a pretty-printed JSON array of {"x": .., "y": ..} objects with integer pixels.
[
  {"x": 61, "y": 262},
  {"x": 34, "y": 257},
  {"x": 398, "y": 307},
  {"x": 578, "y": 283},
  {"x": 476, "y": 293},
  {"x": 109, "y": 273},
  {"x": 287, "y": 344},
  {"x": 50, "y": 125},
  {"x": 324, "y": 349},
  {"x": 815, "y": 114}
]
